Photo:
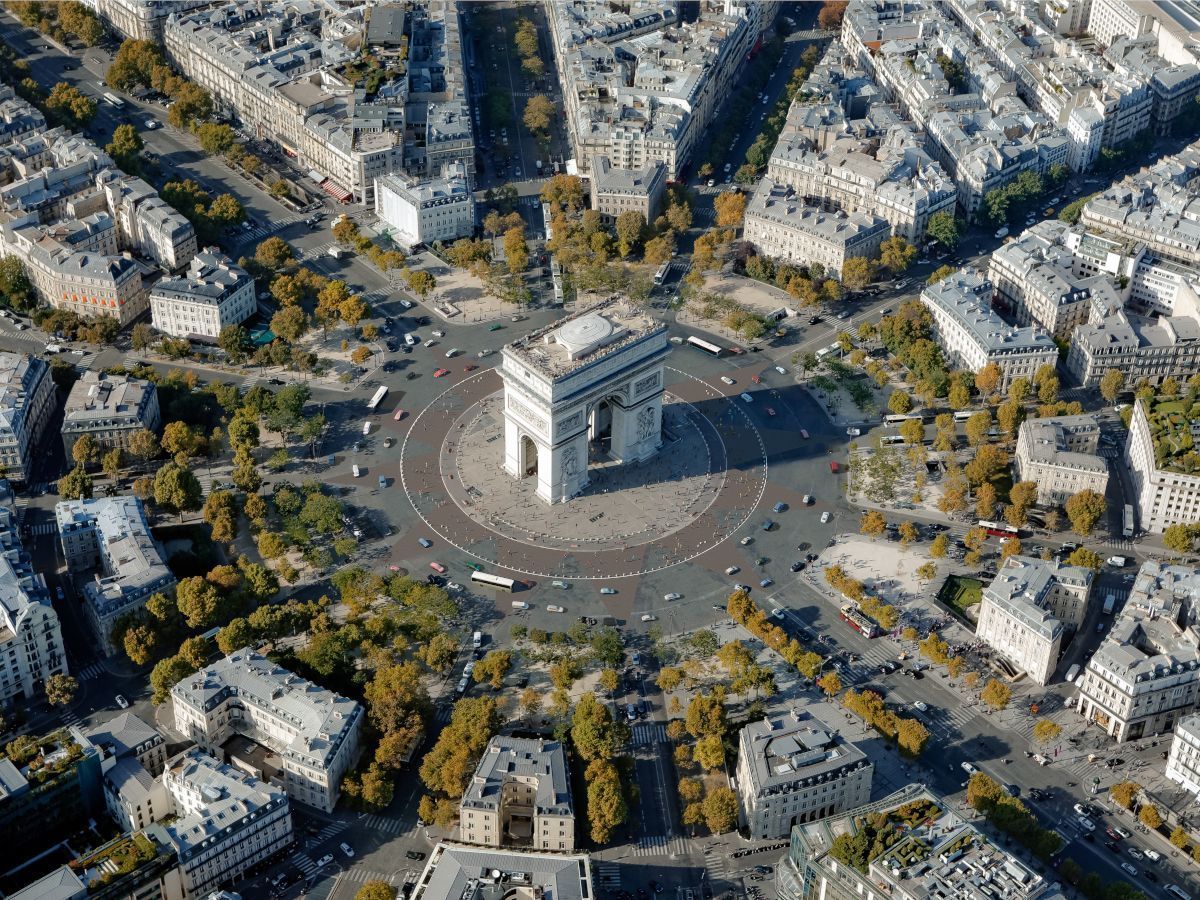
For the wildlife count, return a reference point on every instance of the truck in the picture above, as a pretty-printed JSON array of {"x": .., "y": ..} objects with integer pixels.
[
  {"x": 1117, "y": 562},
  {"x": 1110, "y": 601},
  {"x": 338, "y": 252}
]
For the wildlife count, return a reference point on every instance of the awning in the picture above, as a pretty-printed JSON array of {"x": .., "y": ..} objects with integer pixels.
[
  {"x": 316, "y": 176},
  {"x": 336, "y": 192}
]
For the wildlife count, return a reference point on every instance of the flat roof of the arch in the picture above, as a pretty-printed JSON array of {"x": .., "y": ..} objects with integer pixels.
[{"x": 598, "y": 331}]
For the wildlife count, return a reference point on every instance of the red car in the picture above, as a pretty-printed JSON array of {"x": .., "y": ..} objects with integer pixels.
[
  {"x": 757, "y": 379},
  {"x": 440, "y": 372},
  {"x": 399, "y": 414},
  {"x": 471, "y": 368},
  {"x": 770, "y": 411}
]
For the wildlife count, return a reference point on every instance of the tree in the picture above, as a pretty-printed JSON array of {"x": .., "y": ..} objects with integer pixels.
[
  {"x": 226, "y": 211},
  {"x": 872, "y": 523},
  {"x": 1009, "y": 416},
  {"x": 15, "y": 286},
  {"x": 996, "y": 694},
  {"x": 60, "y": 690},
  {"x": 1112, "y": 382},
  {"x": 985, "y": 501},
  {"x": 166, "y": 674},
  {"x": 70, "y": 106},
  {"x": 1046, "y": 732},
  {"x": 1124, "y": 793},
  {"x": 830, "y": 16},
  {"x": 730, "y": 208},
  {"x": 493, "y": 667},
  {"x": 85, "y": 450},
  {"x": 420, "y": 282},
  {"x": 199, "y": 602},
  {"x": 709, "y": 752},
  {"x": 609, "y": 681},
  {"x": 290, "y": 323},
  {"x": 913, "y": 431},
  {"x": 940, "y": 545},
  {"x": 1180, "y": 538},
  {"x": 191, "y": 104},
  {"x": 899, "y": 402},
  {"x": 375, "y": 890},
  {"x": 857, "y": 273},
  {"x": 1150, "y": 816},
  {"x": 720, "y": 810},
  {"x": 912, "y": 736},
  {"x": 75, "y": 485},
  {"x": 1086, "y": 559},
  {"x": 606, "y": 807},
  {"x": 177, "y": 489},
  {"x": 1084, "y": 510},
  {"x": 630, "y": 225},
  {"x": 896, "y": 254},
  {"x": 830, "y": 683},
  {"x": 987, "y": 379},
  {"x": 539, "y": 113},
  {"x": 943, "y": 228},
  {"x": 516, "y": 251},
  {"x": 908, "y": 533},
  {"x": 180, "y": 440},
  {"x": 940, "y": 273},
  {"x": 126, "y": 148},
  {"x": 977, "y": 427}
]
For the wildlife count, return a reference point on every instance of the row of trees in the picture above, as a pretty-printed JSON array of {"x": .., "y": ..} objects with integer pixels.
[
  {"x": 60, "y": 21},
  {"x": 1011, "y": 816},
  {"x": 909, "y": 734},
  {"x": 746, "y": 613}
]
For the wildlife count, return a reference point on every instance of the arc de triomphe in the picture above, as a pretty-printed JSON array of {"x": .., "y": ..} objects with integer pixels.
[{"x": 596, "y": 377}]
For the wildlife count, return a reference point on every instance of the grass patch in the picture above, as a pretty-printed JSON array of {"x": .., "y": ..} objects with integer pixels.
[{"x": 960, "y": 593}]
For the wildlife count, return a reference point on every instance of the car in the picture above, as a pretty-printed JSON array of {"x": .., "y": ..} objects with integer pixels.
[
  {"x": 469, "y": 668},
  {"x": 744, "y": 588},
  {"x": 58, "y": 592},
  {"x": 1086, "y": 824},
  {"x": 798, "y": 566},
  {"x": 462, "y": 684},
  {"x": 766, "y": 582},
  {"x": 804, "y": 433},
  {"x": 440, "y": 373},
  {"x": 674, "y": 595},
  {"x": 607, "y": 591},
  {"x": 733, "y": 570},
  {"x": 415, "y": 854},
  {"x": 1081, "y": 810},
  {"x": 647, "y": 617},
  {"x": 779, "y": 507},
  {"x": 767, "y": 524},
  {"x": 1119, "y": 833},
  {"x": 1112, "y": 846},
  {"x": 825, "y": 517},
  {"x": 921, "y": 705},
  {"x": 746, "y": 541},
  {"x": 727, "y": 380},
  {"x": 746, "y": 398},
  {"x": 470, "y": 367},
  {"x": 438, "y": 333},
  {"x": 777, "y": 613},
  {"x": 853, "y": 432},
  {"x": 1136, "y": 854},
  {"x": 1012, "y": 790},
  {"x": 496, "y": 327},
  {"x": 968, "y": 768},
  {"x": 324, "y": 860},
  {"x": 770, "y": 410},
  {"x": 347, "y": 849},
  {"x": 1037, "y": 794},
  {"x": 429, "y": 343},
  {"x": 122, "y": 702},
  {"x": 806, "y": 500},
  {"x": 555, "y": 608},
  {"x": 425, "y": 542}
]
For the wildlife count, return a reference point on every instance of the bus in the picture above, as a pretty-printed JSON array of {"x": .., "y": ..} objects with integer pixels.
[
  {"x": 963, "y": 414},
  {"x": 495, "y": 581},
  {"x": 998, "y": 529},
  {"x": 694, "y": 341},
  {"x": 114, "y": 101},
  {"x": 661, "y": 275},
  {"x": 1127, "y": 521},
  {"x": 897, "y": 420},
  {"x": 859, "y": 621},
  {"x": 378, "y": 398}
]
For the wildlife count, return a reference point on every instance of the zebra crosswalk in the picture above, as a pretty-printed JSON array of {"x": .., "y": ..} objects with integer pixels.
[
  {"x": 650, "y": 733},
  {"x": 362, "y": 876},
  {"x": 308, "y": 864},
  {"x": 92, "y": 670},
  {"x": 390, "y": 825},
  {"x": 660, "y": 845},
  {"x": 608, "y": 874},
  {"x": 269, "y": 228},
  {"x": 43, "y": 528}
]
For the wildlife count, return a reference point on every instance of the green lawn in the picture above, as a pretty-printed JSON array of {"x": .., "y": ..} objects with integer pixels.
[{"x": 959, "y": 593}]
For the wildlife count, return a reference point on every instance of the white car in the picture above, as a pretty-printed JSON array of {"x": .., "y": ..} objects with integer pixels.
[
  {"x": 1136, "y": 853},
  {"x": 430, "y": 343},
  {"x": 825, "y": 517},
  {"x": 671, "y": 596},
  {"x": 437, "y": 332},
  {"x": 777, "y": 613},
  {"x": 969, "y": 769},
  {"x": 324, "y": 860},
  {"x": 781, "y": 370},
  {"x": 1080, "y": 810},
  {"x": 453, "y": 352},
  {"x": 551, "y": 607},
  {"x": 646, "y": 617},
  {"x": 853, "y": 432},
  {"x": 1086, "y": 824},
  {"x": 454, "y": 586},
  {"x": 727, "y": 380},
  {"x": 122, "y": 702},
  {"x": 921, "y": 705},
  {"x": 468, "y": 669},
  {"x": 733, "y": 570},
  {"x": 347, "y": 849},
  {"x": 806, "y": 499},
  {"x": 746, "y": 541}
]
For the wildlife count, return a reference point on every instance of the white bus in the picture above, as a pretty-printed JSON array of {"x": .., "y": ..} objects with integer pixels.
[
  {"x": 661, "y": 275},
  {"x": 114, "y": 101},
  {"x": 896, "y": 420},
  {"x": 495, "y": 581},
  {"x": 886, "y": 439},
  {"x": 1127, "y": 522},
  {"x": 963, "y": 414},
  {"x": 378, "y": 398},
  {"x": 694, "y": 341}
]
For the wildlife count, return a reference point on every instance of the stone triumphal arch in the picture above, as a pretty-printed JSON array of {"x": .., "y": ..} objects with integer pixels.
[{"x": 582, "y": 389}]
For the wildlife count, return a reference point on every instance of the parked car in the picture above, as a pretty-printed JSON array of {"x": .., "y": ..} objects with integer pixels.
[
  {"x": 324, "y": 860},
  {"x": 122, "y": 702},
  {"x": 347, "y": 849}
]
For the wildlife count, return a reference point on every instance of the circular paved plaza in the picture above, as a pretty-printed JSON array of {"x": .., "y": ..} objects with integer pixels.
[{"x": 704, "y": 484}]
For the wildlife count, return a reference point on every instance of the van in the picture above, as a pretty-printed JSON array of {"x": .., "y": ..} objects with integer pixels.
[
  {"x": 383, "y": 481},
  {"x": 354, "y": 470},
  {"x": 53, "y": 348},
  {"x": 1073, "y": 673},
  {"x": 1176, "y": 891},
  {"x": 477, "y": 640},
  {"x": 409, "y": 340},
  {"x": 520, "y": 604}
]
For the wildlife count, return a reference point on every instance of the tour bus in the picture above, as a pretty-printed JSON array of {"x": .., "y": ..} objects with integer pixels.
[
  {"x": 1072, "y": 673},
  {"x": 1127, "y": 522},
  {"x": 114, "y": 101},
  {"x": 661, "y": 275},
  {"x": 963, "y": 414},
  {"x": 378, "y": 398}
]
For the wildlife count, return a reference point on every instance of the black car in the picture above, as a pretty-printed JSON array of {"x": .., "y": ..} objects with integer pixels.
[
  {"x": 1037, "y": 794},
  {"x": 1013, "y": 790},
  {"x": 415, "y": 854},
  {"x": 276, "y": 381},
  {"x": 1113, "y": 846},
  {"x": 804, "y": 545},
  {"x": 813, "y": 320},
  {"x": 798, "y": 565}
]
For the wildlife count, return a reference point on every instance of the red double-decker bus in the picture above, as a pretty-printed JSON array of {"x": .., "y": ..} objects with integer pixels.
[
  {"x": 859, "y": 621},
  {"x": 999, "y": 529}
]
